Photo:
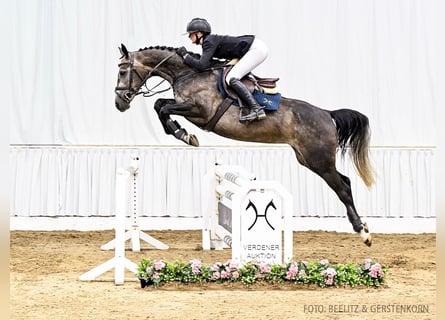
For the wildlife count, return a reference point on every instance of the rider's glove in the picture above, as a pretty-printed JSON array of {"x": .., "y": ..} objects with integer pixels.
[{"x": 182, "y": 51}]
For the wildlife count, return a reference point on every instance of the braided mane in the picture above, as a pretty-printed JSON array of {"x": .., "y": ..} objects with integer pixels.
[
  {"x": 172, "y": 49},
  {"x": 158, "y": 48}
]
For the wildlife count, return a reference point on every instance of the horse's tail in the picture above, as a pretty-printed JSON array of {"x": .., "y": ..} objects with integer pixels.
[{"x": 354, "y": 132}]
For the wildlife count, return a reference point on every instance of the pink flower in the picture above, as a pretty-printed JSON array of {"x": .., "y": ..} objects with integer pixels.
[
  {"x": 265, "y": 268},
  {"x": 156, "y": 275},
  {"x": 195, "y": 270},
  {"x": 293, "y": 266},
  {"x": 235, "y": 275},
  {"x": 367, "y": 263},
  {"x": 216, "y": 275},
  {"x": 215, "y": 267},
  {"x": 329, "y": 274},
  {"x": 292, "y": 271},
  {"x": 290, "y": 275},
  {"x": 195, "y": 262},
  {"x": 149, "y": 270},
  {"x": 324, "y": 262},
  {"x": 196, "y": 266},
  {"x": 233, "y": 264},
  {"x": 225, "y": 274},
  {"x": 302, "y": 273},
  {"x": 376, "y": 271},
  {"x": 159, "y": 265}
]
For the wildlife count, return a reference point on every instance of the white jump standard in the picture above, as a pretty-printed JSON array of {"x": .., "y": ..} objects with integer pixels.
[
  {"x": 135, "y": 233},
  {"x": 119, "y": 262},
  {"x": 247, "y": 215}
]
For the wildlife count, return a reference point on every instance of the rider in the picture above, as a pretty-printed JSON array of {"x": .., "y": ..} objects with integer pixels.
[{"x": 250, "y": 51}]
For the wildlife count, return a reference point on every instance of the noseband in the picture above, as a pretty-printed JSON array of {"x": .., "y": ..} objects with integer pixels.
[{"x": 128, "y": 93}]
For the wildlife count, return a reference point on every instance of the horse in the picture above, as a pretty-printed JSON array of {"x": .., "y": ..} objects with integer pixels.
[{"x": 315, "y": 134}]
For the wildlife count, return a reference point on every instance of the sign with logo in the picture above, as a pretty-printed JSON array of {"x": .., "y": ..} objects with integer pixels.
[
  {"x": 261, "y": 227},
  {"x": 252, "y": 217}
]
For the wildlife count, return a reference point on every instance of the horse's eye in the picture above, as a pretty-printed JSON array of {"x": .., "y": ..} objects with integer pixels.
[{"x": 122, "y": 72}]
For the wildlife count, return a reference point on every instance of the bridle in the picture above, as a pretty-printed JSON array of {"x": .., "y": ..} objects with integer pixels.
[{"x": 128, "y": 93}]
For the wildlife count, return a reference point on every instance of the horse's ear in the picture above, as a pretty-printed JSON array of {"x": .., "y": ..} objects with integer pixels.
[{"x": 123, "y": 51}]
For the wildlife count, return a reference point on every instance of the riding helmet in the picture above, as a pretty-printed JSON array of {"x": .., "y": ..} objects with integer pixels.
[{"x": 199, "y": 24}]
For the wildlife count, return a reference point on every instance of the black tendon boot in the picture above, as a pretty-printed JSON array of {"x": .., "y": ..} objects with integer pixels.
[
  {"x": 180, "y": 133},
  {"x": 255, "y": 110}
]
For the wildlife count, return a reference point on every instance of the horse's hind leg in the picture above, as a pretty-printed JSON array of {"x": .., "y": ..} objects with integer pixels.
[
  {"x": 342, "y": 187},
  {"x": 325, "y": 168}
]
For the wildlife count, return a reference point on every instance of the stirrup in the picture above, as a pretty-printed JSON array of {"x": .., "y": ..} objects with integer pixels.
[
  {"x": 261, "y": 114},
  {"x": 255, "y": 114}
]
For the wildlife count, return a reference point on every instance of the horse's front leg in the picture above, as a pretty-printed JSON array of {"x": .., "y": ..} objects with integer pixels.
[
  {"x": 164, "y": 118},
  {"x": 164, "y": 108}
]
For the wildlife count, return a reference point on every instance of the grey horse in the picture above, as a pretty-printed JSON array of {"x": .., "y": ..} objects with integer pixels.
[{"x": 313, "y": 133}]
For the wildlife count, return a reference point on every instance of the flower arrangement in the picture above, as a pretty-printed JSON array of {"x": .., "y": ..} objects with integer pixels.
[{"x": 322, "y": 273}]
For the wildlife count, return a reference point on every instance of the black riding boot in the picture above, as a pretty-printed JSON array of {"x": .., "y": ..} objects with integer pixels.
[{"x": 255, "y": 110}]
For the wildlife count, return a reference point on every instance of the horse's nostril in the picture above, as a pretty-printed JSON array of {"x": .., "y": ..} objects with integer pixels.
[{"x": 119, "y": 105}]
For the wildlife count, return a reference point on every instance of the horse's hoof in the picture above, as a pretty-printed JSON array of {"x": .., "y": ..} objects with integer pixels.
[
  {"x": 365, "y": 235},
  {"x": 368, "y": 241},
  {"x": 192, "y": 140}
]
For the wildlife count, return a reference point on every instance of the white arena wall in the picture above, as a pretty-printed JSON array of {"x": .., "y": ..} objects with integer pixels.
[{"x": 73, "y": 187}]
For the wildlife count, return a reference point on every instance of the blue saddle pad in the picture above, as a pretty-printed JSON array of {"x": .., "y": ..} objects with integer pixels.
[{"x": 270, "y": 102}]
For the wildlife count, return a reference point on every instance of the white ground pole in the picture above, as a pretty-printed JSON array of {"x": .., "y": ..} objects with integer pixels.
[{"x": 135, "y": 234}]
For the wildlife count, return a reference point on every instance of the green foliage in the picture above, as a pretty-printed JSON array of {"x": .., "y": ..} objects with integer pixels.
[{"x": 321, "y": 273}]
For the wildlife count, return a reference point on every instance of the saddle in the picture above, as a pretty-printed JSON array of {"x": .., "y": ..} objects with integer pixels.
[
  {"x": 251, "y": 81},
  {"x": 264, "y": 90}
]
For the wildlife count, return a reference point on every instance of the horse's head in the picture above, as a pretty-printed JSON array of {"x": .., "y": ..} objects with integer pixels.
[
  {"x": 136, "y": 67},
  {"x": 129, "y": 80}
]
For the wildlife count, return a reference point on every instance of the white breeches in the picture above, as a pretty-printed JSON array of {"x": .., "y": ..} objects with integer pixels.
[{"x": 257, "y": 53}]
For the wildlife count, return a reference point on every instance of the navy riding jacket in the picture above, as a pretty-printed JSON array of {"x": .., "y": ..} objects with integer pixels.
[{"x": 221, "y": 47}]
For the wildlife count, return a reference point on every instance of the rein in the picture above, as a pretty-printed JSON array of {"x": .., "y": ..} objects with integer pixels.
[{"x": 130, "y": 92}]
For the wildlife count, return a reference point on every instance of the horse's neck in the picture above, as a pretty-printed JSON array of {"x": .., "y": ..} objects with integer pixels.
[{"x": 169, "y": 65}]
